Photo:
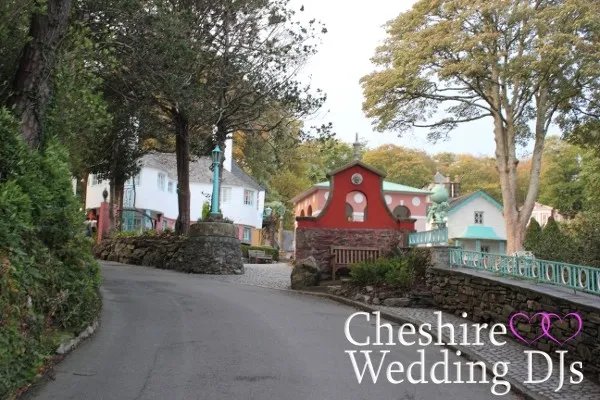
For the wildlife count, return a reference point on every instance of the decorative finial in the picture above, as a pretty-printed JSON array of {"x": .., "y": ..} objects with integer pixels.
[{"x": 356, "y": 148}]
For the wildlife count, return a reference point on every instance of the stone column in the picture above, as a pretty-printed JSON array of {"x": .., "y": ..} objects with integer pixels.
[{"x": 103, "y": 221}]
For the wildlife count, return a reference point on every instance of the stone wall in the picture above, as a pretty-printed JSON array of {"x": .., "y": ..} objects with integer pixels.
[
  {"x": 316, "y": 242},
  {"x": 494, "y": 299},
  {"x": 209, "y": 248}
]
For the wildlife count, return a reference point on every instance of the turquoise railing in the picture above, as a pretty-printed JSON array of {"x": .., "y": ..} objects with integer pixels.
[
  {"x": 577, "y": 277},
  {"x": 428, "y": 237}
]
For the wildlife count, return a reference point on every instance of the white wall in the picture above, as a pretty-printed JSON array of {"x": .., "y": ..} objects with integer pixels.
[
  {"x": 464, "y": 216},
  {"x": 148, "y": 196}
]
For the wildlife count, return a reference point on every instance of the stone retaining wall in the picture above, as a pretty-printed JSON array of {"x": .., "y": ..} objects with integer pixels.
[
  {"x": 316, "y": 242},
  {"x": 209, "y": 248},
  {"x": 495, "y": 299}
]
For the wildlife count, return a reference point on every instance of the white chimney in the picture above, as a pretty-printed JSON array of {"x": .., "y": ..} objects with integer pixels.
[{"x": 228, "y": 154}]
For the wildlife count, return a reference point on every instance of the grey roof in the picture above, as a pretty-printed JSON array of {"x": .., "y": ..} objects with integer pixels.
[
  {"x": 247, "y": 179},
  {"x": 439, "y": 178},
  {"x": 199, "y": 170}
]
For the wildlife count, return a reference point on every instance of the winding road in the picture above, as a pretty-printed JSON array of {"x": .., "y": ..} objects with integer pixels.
[{"x": 166, "y": 335}]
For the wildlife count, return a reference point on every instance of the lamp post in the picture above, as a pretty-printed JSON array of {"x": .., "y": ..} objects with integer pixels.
[{"x": 216, "y": 158}]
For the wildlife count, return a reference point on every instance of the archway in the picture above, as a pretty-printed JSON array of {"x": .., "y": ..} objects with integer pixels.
[
  {"x": 358, "y": 202},
  {"x": 309, "y": 213},
  {"x": 349, "y": 212},
  {"x": 302, "y": 213}
]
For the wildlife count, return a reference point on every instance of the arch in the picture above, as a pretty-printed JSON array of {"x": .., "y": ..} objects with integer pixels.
[
  {"x": 401, "y": 212},
  {"x": 309, "y": 212},
  {"x": 302, "y": 213},
  {"x": 358, "y": 201}
]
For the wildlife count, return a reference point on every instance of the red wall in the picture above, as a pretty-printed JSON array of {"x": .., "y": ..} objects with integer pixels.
[{"x": 333, "y": 214}]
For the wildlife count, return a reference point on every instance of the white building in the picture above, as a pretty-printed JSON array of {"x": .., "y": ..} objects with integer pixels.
[
  {"x": 152, "y": 195},
  {"x": 541, "y": 213}
]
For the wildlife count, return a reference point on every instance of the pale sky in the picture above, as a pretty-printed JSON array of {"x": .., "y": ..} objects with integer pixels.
[{"x": 355, "y": 29}]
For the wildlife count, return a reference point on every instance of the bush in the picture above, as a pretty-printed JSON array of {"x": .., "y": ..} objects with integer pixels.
[
  {"x": 418, "y": 259},
  {"x": 532, "y": 236},
  {"x": 392, "y": 271},
  {"x": 49, "y": 281},
  {"x": 267, "y": 249}
]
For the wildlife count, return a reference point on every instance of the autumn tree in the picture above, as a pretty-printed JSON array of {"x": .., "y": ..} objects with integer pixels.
[
  {"x": 401, "y": 165},
  {"x": 520, "y": 64}
]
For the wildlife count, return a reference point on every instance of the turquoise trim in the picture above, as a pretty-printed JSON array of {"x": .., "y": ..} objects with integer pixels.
[
  {"x": 478, "y": 245},
  {"x": 480, "y": 232},
  {"x": 387, "y": 187},
  {"x": 473, "y": 196}
]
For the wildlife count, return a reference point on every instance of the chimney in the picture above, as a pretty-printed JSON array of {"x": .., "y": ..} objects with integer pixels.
[{"x": 228, "y": 153}]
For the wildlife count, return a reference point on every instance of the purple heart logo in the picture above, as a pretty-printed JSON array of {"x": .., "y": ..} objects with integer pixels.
[
  {"x": 513, "y": 328},
  {"x": 546, "y": 324}
]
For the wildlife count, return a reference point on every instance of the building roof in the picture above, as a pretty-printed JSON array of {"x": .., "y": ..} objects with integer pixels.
[
  {"x": 199, "y": 170},
  {"x": 479, "y": 232},
  {"x": 459, "y": 202},
  {"x": 439, "y": 178}
]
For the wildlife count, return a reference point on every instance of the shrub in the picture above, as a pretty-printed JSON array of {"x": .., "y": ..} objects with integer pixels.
[
  {"x": 267, "y": 249},
  {"x": 49, "y": 281},
  {"x": 392, "y": 271},
  {"x": 532, "y": 236},
  {"x": 418, "y": 259}
]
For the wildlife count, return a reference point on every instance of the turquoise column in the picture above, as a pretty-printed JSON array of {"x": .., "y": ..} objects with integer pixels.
[
  {"x": 478, "y": 246},
  {"x": 215, "y": 194}
]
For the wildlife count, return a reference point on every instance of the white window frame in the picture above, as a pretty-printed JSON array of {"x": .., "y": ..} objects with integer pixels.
[
  {"x": 476, "y": 220},
  {"x": 249, "y": 200},
  {"x": 170, "y": 187},
  {"x": 249, "y": 231},
  {"x": 161, "y": 181},
  {"x": 136, "y": 179},
  {"x": 225, "y": 194},
  {"x": 94, "y": 181}
]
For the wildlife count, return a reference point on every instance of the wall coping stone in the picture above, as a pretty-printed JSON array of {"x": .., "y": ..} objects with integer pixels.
[
  {"x": 213, "y": 229},
  {"x": 557, "y": 292}
]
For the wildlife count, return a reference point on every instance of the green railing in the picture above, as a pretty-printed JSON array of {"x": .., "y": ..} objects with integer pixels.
[
  {"x": 436, "y": 236},
  {"x": 577, "y": 277}
]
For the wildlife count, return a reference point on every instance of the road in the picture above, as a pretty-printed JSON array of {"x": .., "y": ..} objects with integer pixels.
[{"x": 165, "y": 335}]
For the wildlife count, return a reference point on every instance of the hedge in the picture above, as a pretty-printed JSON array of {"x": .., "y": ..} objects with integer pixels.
[{"x": 49, "y": 281}]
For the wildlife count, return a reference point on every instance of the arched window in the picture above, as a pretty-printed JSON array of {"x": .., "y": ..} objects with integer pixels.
[
  {"x": 401, "y": 212},
  {"x": 309, "y": 213},
  {"x": 358, "y": 202},
  {"x": 302, "y": 213}
]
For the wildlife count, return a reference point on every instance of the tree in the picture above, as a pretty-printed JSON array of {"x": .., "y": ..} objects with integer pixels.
[
  {"x": 31, "y": 83},
  {"x": 522, "y": 64},
  {"x": 533, "y": 236},
  {"x": 554, "y": 244},
  {"x": 560, "y": 183},
  {"x": 475, "y": 173},
  {"x": 405, "y": 166}
]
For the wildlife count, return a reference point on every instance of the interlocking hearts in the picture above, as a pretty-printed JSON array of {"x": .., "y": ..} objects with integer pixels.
[{"x": 546, "y": 324}]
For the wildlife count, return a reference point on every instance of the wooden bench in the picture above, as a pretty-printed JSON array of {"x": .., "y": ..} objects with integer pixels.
[
  {"x": 344, "y": 257},
  {"x": 258, "y": 255}
]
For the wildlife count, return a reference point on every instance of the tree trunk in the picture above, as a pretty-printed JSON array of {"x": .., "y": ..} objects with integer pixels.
[
  {"x": 31, "y": 84},
  {"x": 182, "y": 151}
]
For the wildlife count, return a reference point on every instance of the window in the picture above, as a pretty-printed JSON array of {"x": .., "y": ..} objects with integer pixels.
[
  {"x": 247, "y": 234},
  {"x": 164, "y": 225},
  {"x": 248, "y": 197},
  {"x": 162, "y": 179},
  {"x": 225, "y": 194},
  {"x": 485, "y": 249},
  {"x": 401, "y": 212},
  {"x": 136, "y": 180},
  {"x": 479, "y": 217},
  {"x": 170, "y": 187},
  {"x": 94, "y": 180}
]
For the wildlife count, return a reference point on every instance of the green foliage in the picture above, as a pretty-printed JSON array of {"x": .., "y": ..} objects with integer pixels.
[
  {"x": 533, "y": 235},
  {"x": 584, "y": 231},
  {"x": 555, "y": 245},
  {"x": 267, "y": 249},
  {"x": 205, "y": 210},
  {"x": 49, "y": 281},
  {"x": 392, "y": 271}
]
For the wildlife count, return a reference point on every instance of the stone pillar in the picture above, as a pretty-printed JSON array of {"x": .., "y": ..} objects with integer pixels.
[{"x": 103, "y": 221}]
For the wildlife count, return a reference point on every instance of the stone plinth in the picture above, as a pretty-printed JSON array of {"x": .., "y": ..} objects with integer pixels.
[{"x": 209, "y": 248}]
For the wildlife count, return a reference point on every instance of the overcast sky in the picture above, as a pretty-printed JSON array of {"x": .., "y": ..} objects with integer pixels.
[{"x": 355, "y": 29}]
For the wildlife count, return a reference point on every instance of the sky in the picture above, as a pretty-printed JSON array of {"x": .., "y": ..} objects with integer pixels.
[{"x": 355, "y": 29}]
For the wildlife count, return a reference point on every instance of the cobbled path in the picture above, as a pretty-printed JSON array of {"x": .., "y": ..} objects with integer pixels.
[{"x": 277, "y": 276}]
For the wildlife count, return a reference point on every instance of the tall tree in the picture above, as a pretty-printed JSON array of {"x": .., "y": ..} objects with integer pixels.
[
  {"x": 401, "y": 165},
  {"x": 31, "y": 83},
  {"x": 519, "y": 63}
]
